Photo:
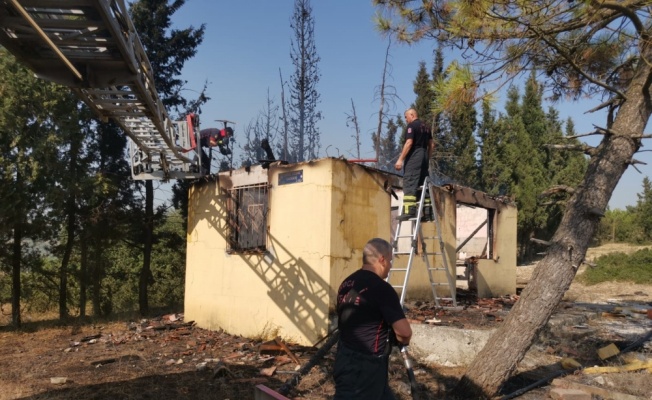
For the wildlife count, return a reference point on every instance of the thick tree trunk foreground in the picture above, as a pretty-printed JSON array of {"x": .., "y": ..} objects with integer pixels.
[{"x": 551, "y": 279}]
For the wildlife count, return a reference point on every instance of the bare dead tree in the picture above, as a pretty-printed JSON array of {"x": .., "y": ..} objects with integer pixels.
[
  {"x": 383, "y": 97},
  {"x": 353, "y": 119},
  {"x": 286, "y": 123}
]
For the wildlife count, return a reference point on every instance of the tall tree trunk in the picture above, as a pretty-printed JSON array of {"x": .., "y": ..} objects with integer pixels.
[
  {"x": 145, "y": 272},
  {"x": 96, "y": 281},
  {"x": 83, "y": 276},
  {"x": 285, "y": 118},
  {"x": 71, "y": 213},
  {"x": 65, "y": 261},
  {"x": 381, "y": 109},
  {"x": 554, "y": 274},
  {"x": 15, "y": 275}
]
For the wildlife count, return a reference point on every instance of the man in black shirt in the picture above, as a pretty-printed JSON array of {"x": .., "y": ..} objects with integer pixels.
[
  {"x": 417, "y": 150},
  {"x": 367, "y": 307}
]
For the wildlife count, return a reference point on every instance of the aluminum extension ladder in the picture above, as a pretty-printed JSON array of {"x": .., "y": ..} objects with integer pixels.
[{"x": 416, "y": 235}]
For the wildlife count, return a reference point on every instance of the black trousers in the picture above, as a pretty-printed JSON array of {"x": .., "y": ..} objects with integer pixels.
[
  {"x": 360, "y": 376},
  {"x": 414, "y": 173}
]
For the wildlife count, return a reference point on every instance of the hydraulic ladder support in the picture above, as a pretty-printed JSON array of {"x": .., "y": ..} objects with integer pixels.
[{"x": 416, "y": 236}]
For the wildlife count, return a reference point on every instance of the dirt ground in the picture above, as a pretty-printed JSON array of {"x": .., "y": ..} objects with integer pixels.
[{"x": 169, "y": 358}]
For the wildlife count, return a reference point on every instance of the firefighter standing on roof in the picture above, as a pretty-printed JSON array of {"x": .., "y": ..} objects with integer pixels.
[{"x": 417, "y": 150}]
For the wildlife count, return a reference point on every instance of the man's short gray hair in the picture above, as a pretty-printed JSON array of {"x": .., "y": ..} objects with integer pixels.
[{"x": 375, "y": 248}]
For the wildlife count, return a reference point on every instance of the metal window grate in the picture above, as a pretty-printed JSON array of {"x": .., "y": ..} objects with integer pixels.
[{"x": 247, "y": 212}]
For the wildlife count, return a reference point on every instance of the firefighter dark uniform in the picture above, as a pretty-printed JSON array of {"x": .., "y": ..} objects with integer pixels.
[
  {"x": 213, "y": 137},
  {"x": 415, "y": 164}
]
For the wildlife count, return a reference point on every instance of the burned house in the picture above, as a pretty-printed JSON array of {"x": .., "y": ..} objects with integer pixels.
[{"x": 268, "y": 247}]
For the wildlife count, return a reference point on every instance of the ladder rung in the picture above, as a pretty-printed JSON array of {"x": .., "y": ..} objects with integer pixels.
[
  {"x": 432, "y": 254},
  {"x": 403, "y": 236},
  {"x": 426, "y": 203}
]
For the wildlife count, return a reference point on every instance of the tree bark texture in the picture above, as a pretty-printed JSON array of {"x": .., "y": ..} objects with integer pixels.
[
  {"x": 553, "y": 275},
  {"x": 15, "y": 275},
  {"x": 65, "y": 261},
  {"x": 146, "y": 272},
  {"x": 83, "y": 276}
]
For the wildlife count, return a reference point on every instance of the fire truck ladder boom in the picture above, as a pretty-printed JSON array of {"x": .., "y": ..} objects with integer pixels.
[{"x": 92, "y": 47}]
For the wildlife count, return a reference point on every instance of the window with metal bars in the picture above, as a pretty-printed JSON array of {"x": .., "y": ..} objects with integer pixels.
[{"x": 247, "y": 208}]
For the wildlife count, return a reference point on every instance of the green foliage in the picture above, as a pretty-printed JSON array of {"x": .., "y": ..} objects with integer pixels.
[
  {"x": 425, "y": 94},
  {"x": 389, "y": 149},
  {"x": 643, "y": 209},
  {"x": 169, "y": 262},
  {"x": 631, "y": 225},
  {"x": 167, "y": 48},
  {"x": 635, "y": 268},
  {"x": 464, "y": 167},
  {"x": 516, "y": 154}
]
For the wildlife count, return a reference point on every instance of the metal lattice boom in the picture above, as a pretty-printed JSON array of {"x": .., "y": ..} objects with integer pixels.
[{"x": 92, "y": 47}]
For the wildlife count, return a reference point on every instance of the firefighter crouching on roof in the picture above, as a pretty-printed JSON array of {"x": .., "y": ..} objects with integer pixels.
[{"x": 213, "y": 137}]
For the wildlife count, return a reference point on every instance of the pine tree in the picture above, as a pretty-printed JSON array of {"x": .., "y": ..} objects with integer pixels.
[
  {"x": 583, "y": 56},
  {"x": 643, "y": 208},
  {"x": 304, "y": 97},
  {"x": 437, "y": 123},
  {"x": 464, "y": 167},
  {"x": 389, "y": 149},
  {"x": 28, "y": 157},
  {"x": 527, "y": 178},
  {"x": 423, "y": 89},
  {"x": 494, "y": 175}
]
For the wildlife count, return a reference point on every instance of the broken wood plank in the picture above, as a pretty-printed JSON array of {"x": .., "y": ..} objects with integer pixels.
[{"x": 287, "y": 350}]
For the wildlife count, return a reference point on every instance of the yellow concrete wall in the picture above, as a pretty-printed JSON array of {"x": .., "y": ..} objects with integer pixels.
[
  {"x": 497, "y": 277},
  {"x": 316, "y": 230},
  {"x": 361, "y": 211}
]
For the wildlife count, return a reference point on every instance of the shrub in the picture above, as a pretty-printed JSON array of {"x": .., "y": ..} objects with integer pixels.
[{"x": 635, "y": 268}]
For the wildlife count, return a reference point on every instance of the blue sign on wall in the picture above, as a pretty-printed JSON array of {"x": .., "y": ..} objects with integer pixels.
[{"x": 286, "y": 178}]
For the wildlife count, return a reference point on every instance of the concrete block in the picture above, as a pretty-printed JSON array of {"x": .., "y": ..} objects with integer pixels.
[
  {"x": 569, "y": 394},
  {"x": 443, "y": 345}
]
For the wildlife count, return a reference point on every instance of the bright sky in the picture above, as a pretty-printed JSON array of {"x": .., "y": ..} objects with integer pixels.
[{"x": 247, "y": 42}]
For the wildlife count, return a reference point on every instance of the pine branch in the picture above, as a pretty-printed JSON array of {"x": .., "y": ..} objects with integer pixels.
[
  {"x": 612, "y": 102},
  {"x": 557, "y": 189},
  {"x": 635, "y": 161},
  {"x": 586, "y": 149},
  {"x": 540, "y": 241},
  {"x": 627, "y": 12},
  {"x": 584, "y": 135},
  {"x": 554, "y": 45}
]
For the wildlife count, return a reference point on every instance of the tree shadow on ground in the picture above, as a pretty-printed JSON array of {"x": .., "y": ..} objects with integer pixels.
[{"x": 198, "y": 385}]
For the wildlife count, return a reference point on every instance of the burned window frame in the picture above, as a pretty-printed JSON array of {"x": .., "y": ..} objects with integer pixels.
[{"x": 247, "y": 208}]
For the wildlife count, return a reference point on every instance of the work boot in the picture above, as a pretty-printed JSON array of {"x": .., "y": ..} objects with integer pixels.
[{"x": 412, "y": 213}]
